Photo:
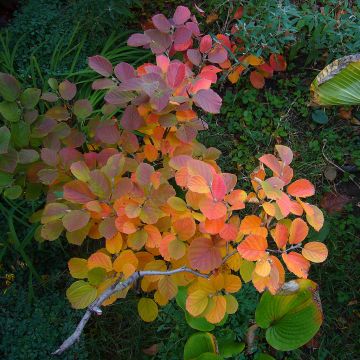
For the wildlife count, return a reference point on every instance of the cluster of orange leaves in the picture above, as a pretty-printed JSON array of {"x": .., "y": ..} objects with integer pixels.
[{"x": 155, "y": 198}]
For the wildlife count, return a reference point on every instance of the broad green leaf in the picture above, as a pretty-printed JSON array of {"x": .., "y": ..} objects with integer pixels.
[
  {"x": 4, "y": 139},
  {"x": 263, "y": 356},
  {"x": 30, "y": 97},
  {"x": 290, "y": 320},
  {"x": 9, "y": 87},
  {"x": 338, "y": 83},
  {"x": 81, "y": 294},
  {"x": 228, "y": 346},
  {"x": 198, "y": 344},
  {"x": 209, "y": 356},
  {"x": 10, "y": 111}
]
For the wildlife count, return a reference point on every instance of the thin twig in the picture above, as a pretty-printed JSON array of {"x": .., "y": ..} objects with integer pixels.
[
  {"x": 228, "y": 256},
  {"x": 293, "y": 247},
  {"x": 337, "y": 166},
  {"x": 118, "y": 286}
]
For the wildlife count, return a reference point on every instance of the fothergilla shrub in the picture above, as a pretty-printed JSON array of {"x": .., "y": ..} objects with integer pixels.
[{"x": 152, "y": 198}]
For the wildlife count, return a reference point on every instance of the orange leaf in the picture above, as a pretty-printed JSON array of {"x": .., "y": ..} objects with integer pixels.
[
  {"x": 177, "y": 249},
  {"x": 114, "y": 244},
  {"x": 197, "y": 302},
  {"x": 253, "y": 247},
  {"x": 298, "y": 231},
  {"x": 204, "y": 255},
  {"x": 280, "y": 235},
  {"x": 263, "y": 266},
  {"x": 301, "y": 188},
  {"x": 314, "y": 215},
  {"x": 315, "y": 251},
  {"x": 257, "y": 80},
  {"x": 216, "y": 309},
  {"x": 249, "y": 224},
  {"x": 150, "y": 152},
  {"x": 100, "y": 259},
  {"x": 198, "y": 184},
  {"x": 285, "y": 153},
  {"x": 271, "y": 162},
  {"x": 297, "y": 264},
  {"x": 232, "y": 283},
  {"x": 167, "y": 287},
  {"x": 212, "y": 209},
  {"x": 254, "y": 60}
]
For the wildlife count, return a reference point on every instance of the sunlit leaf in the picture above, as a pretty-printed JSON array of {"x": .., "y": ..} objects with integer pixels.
[{"x": 315, "y": 252}]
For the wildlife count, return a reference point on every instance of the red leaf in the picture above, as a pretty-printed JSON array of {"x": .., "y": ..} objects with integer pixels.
[
  {"x": 182, "y": 14},
  {"x": 208, "y": 100},
  {"x": 277, "y": 62},
  {"x": 182, "y": 35},
  {"x": 194, "y": 56},
  {"x": 218, "y": 54},
  {"x": 138, "y": 40},
  {"x": 239, "y": 13},
  {"x": 77, "y": 191},
  {"x": 205, "y": 44},
  {"x": 175, "y": 74},
  {"x": 204, "y": 255},
  {"x": 131, "y": 119},
  {"x": 100, "y": 65},
  {"x": 257, "y": 80},
  {"x": 161, "y": 23},
  {"x": 124, "y": 71}
]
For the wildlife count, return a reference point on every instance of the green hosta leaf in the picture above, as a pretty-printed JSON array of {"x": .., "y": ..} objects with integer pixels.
[
  {"x": 263, "y": 356},
  {"x": 30, "y": 97},
  {"x": 228, "y": 346},
  {"x": 10, "y": 111},
  {"x": 198, "y": 344},
  {"x": 320, "y": 117},
  {"x": 338, "y": 83},
  {"x": 81, "y": 294},
  {"x": 4, "y": 139},
  {"x": 13, "y": 192},
  {"x": 20, "y": 134},
  {"x": 96, "y": 276},
  {"x": 290, "y": 320},
  {"x": 82, "y": 108},
  {"x": 199, "y": 323},
  {"x": 9, "y": 87}
]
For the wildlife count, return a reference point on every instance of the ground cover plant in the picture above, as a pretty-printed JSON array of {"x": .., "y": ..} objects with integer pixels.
[{"x": 94, "y": 144}]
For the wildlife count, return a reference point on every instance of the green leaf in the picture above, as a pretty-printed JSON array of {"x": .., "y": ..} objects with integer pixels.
[
  {"x": 82, "y": 108},
  {"x": 10, "y": 111},
  {"x": 81, "y": 294},
  {"x": 198, "y": 323},
  {"x": 198, "y": 344},
  {"x": 290, "y": 320},
  {"x": 338, "y": 83},
  {"x": 209, "y": 356},
  {"x": 320, "y": 117},
  {"x": 4, "y": 139},
  {"x": 13, "y": 192},
  {"x": 28, "y": 156},
  {"x": 5, "y": 179},
  {"x": 20, "y": 134},
  {"x": 9, "y": 87},
  {"x": 54, "y": 85},
  {"x": 263, "y": 356},
  {"x": 96, "y": 276},
  {"x": 30, "y": 97},
  {"x": 228, "y": 346}
]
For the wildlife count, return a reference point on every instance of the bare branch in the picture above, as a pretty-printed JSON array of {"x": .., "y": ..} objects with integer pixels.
[{"x": 116, "y": 287}]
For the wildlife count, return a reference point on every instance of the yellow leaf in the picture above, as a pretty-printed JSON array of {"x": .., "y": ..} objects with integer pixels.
[
  {"x": 197, "y": 302},
  {"x": 147, "y": 309}
]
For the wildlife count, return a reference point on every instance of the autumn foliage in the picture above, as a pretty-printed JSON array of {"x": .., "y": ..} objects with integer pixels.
[{"x": 151, "y": 197}]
